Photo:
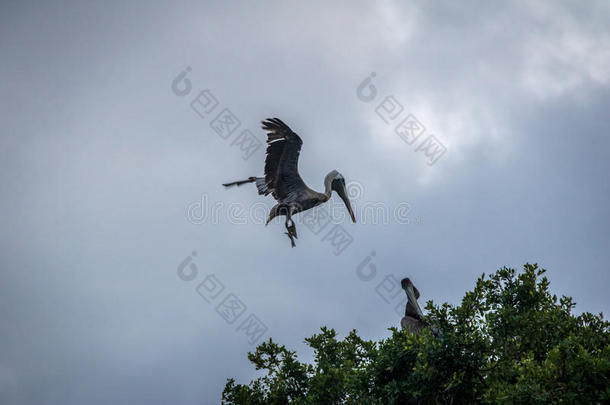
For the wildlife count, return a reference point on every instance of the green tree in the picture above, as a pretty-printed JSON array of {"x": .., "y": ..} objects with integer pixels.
[{"x": 509, "y": 341}]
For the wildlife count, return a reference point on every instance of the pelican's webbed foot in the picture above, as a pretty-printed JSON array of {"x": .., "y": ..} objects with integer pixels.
[
  {"x": 291, "y": 239},
  {"x": 292, "y": 231}
]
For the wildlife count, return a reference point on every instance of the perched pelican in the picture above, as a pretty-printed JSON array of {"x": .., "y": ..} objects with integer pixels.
[
  {"x": 413, "y": 313},
  {"x": 283, "y": 181}
]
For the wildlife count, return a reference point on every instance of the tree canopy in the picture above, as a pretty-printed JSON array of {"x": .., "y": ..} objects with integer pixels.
[{"x": 509, "y": 341}]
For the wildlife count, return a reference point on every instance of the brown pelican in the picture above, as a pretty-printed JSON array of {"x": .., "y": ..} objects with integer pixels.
[
  {"x": 413, "y": 313},
  {"x": 283, "y": 181}
]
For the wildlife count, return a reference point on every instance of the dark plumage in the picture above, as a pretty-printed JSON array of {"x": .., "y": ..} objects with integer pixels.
[
  {"x": 413, "y": 313},
  {"x": 283, "y": 181}
]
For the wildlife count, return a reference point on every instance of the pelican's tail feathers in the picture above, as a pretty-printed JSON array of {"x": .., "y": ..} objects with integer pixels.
[
  {"x": 240, "y": 182},
  {"x": 261, "y": 186}
]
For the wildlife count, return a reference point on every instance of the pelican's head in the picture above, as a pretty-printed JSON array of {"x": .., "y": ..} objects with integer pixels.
[
  {"x": 413, "y": 308},
  {"x": 337, "y": 183}
]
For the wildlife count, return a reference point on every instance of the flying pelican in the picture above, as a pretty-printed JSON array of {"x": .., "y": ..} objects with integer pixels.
[
  {"x": 413, "y": 313},
  {"x": 283, "y": 181}
]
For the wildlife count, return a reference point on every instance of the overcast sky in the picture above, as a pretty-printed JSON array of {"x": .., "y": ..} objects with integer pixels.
[{"x": 111, "y": 180}]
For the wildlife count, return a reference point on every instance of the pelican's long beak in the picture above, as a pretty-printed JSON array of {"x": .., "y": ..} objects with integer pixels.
[
  {"x": 412, "y": 300},
  {"x": 342, "y": 191}
]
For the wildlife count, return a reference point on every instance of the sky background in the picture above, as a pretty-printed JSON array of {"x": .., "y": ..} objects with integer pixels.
[{"x": 109, "y": 178}]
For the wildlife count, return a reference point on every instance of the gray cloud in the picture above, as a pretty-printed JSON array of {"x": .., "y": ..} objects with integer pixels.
[{"x": 100, "y": 161}]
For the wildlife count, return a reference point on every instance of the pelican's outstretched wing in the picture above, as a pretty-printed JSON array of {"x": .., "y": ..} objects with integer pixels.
[{"x": 281, "y": 164}]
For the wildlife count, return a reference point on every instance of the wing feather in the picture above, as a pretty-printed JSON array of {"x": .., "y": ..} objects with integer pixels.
[{"x": 281, "y": 164}]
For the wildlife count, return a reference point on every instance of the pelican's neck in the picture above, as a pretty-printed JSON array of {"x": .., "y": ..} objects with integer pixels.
[{"x": 328, "y": 180}]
